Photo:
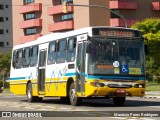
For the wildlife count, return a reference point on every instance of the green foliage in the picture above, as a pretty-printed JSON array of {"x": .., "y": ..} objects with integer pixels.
[
  {"x": 6, "y": 84},
  {"x": 5, "y": 62},
  {"x": 150, "y": 29},
  {"x": 1, "y": 83},
  {"x": 152, "y": 86}
]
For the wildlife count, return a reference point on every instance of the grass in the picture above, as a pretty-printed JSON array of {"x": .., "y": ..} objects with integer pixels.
[
  {"x": 6, "y": 90},
  {"x": 152, "y": 86}
]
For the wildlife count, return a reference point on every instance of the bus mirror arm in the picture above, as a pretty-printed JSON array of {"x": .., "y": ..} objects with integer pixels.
[
  {"x": 146, "y": 49},
  {"x": 88, "y": 50},
  {"x": 146, "y": 46}
]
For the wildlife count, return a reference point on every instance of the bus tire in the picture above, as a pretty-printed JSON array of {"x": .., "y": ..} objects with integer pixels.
[
  {"x": 74, "y": 100},
  {"x": 119, "y": 101},
  {"x": 30, "y": 97}
]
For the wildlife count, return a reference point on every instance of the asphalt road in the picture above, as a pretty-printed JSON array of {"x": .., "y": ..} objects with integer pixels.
[{"x": 90, "y": 109}]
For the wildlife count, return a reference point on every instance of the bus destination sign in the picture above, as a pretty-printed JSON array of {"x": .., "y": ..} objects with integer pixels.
[{"x": 109, "y": 32}]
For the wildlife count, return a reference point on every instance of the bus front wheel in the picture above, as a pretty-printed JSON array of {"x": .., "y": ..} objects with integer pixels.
[
  {"x": 119, "y": 101},
  {"x": 74, "y": 100}
]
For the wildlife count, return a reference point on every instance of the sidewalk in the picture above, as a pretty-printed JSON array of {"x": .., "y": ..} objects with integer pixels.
[
  {"x": 6, "y": 91},
  {"x": 152, "y": 94}
]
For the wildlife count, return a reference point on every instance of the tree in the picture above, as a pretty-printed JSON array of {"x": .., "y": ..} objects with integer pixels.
[
  {"x": 150, "y": 29},
  {"x": 5, "y": 62}
]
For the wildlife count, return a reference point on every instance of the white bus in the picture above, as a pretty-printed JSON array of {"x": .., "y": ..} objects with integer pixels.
[{"x": 93, "y": 62}]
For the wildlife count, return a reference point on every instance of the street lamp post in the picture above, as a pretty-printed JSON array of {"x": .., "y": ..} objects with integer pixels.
[{"x": 99, "y": 6}]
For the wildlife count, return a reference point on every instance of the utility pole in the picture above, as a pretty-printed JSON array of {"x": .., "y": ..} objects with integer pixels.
[
  {"x": 97, "y": 6},
  {"x": 3, "y": 79}
]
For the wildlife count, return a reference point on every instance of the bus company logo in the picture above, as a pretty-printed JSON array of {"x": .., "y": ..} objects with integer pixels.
[
  {"x": 6, "y": 114},
  {"x": 64, "y": 70}
]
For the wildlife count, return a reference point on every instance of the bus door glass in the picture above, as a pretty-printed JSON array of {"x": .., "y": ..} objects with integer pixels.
[
  {"x": 80, "y": 71},
  {"x": 41, "y": 71}
]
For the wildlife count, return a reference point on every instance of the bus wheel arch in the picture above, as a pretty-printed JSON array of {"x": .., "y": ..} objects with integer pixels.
[
  {"x": 66, "y": 98},
  {"x": 29, "y": 81},
  {"x": 69, "y": 82},
  {"x": 30, "y": 97},
  {"x": 74, "y": 100},
  {"x": 29, "y": 93}
]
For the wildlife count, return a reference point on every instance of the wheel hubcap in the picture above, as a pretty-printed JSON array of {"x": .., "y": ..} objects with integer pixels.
[
  {"x": 29, "y": 94},
  {"x": 73, "y": 94}
]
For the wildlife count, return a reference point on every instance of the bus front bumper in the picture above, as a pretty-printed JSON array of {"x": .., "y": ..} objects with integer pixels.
[{"x": 113, "y": 92}]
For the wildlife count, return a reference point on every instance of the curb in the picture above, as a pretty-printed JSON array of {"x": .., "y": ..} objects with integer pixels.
[
  {"x": 151, "y": 97},
  {"x": 152, "y": 94}
]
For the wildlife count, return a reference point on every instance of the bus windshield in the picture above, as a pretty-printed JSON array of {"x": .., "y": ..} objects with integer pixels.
[{"x": 116, "y": 56}]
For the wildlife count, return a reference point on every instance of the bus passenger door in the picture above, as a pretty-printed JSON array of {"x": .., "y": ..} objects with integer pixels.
[
  {"x": 41, "y": 71},
  {"x": 80, "y": 70}
]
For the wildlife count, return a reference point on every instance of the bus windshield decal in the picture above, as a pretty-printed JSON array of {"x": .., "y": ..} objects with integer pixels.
[{"x": 103, "y": 66}]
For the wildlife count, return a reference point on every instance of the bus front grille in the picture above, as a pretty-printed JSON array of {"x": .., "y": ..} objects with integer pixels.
[{"x": 119, "y": 86}]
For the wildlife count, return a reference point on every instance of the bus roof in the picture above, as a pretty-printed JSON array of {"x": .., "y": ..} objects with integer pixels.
[{"x": 61, "y": 35}]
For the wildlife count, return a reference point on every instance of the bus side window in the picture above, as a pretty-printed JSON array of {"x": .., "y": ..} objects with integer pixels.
[
  {"x": 61, "y": 51},
  {"x": 14, "y": 59},
  {"x": 26, "y": 57},
  {"x": 52, "y": 53},
  {"x": 71, "y": 50},
  {"x": 19, "y": 59},
  {"x": 33, "y": 56}
]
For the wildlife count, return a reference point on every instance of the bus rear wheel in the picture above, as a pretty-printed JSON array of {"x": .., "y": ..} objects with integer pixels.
[
  {"x": 74, "y": 100},
  {"x": 119, "y": 101},
  {"x": 30, "y": 97}
]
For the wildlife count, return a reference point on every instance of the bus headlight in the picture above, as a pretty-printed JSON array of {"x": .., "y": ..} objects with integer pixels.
[
  {"x": 97, "y": 84},
  {"x": 139, "y": 86}
]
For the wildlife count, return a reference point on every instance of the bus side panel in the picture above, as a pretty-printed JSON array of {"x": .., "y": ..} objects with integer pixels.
[
  {"x": 51, "y": 81},
  {"x": 56, "y": 81},
  {"x": 55, "y": 84},
  {"x": 34, "y": 87},
  {"x": 19, "y": 79},
  {"x": 50, "y": 89},
  {"x": 62, "y": 87},
  {"x": 18, "y": 89},
  {"x": 64, "y": 73}
]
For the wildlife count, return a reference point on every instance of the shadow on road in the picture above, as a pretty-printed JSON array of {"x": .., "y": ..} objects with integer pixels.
[{"x": 103, "y": 102}]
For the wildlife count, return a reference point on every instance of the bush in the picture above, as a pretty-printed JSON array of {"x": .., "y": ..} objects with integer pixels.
[
  {"x": 1, "y": 83},
  {"x": 6, "y": 84},
  {"x": 149, "y": 76},
  {"x": 157, "y": 79}
]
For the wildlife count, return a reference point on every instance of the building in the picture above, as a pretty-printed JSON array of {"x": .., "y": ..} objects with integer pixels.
[
  {"x": 34, "y": 18},
  {"x": 133, "y": 10},
  {"x": 6, "y": 41}
]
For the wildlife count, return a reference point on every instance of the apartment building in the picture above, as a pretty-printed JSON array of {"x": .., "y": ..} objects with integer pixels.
[
  {"x": 6, "y": 41},
  {"x": 133, "y": 11},
  {"x": 34, "y": 18}
]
